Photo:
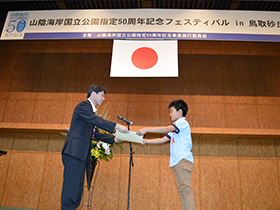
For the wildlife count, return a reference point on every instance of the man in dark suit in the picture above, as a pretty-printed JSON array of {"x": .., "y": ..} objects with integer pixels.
[{"x": 77, "y": 145}]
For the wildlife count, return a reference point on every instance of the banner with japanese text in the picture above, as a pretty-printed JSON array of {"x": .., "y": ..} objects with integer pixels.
[{"x": 143, "y": 24}]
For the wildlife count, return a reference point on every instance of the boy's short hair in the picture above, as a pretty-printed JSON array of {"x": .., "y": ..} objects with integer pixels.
[
  {"x": 179, "y": 104},
  {"x": 96, "y": 89}
]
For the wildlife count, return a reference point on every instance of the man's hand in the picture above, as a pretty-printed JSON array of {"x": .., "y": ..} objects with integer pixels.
[
  {"x": 117, "y": 140},
  {"x": 121, "y": 128}
]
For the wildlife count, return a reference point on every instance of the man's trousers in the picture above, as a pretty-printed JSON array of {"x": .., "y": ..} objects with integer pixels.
[{"x": 73, "y": 182}]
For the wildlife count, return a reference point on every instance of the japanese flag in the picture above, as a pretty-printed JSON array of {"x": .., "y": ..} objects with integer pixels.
[{"x": 144, "y": 58}]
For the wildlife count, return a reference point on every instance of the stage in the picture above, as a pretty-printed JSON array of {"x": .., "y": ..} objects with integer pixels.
[{"x": 11, "y": 208}]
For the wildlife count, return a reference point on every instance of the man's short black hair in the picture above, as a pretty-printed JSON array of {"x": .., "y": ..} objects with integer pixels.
[
  {"x": 96, "y": 89},
  {"x": 179, "y": 104}
]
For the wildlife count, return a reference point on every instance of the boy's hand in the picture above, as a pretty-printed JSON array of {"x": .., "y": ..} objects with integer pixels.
[
  {"x": 144, "y": 141},
  {"x": 141, "y": 132}
]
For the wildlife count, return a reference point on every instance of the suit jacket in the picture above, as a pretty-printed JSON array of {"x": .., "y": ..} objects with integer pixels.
[{"x": 78, "y": 140}]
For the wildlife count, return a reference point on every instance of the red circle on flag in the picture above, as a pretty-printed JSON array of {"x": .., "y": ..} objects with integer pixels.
[{"x": 144, "y": 58}]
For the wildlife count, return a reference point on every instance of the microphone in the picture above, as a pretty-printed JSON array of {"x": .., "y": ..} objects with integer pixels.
[{"x": 125, "y": 120}]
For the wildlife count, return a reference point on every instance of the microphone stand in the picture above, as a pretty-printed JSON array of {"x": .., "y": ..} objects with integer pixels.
[{"x": 130, "y": 164}]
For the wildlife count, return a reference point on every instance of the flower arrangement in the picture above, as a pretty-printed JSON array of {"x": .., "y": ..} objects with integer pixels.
[{"x": 99, "y": 149}]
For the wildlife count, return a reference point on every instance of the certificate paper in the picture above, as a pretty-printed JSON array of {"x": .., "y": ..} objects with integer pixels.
[{"x": 131, "y": 136}]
